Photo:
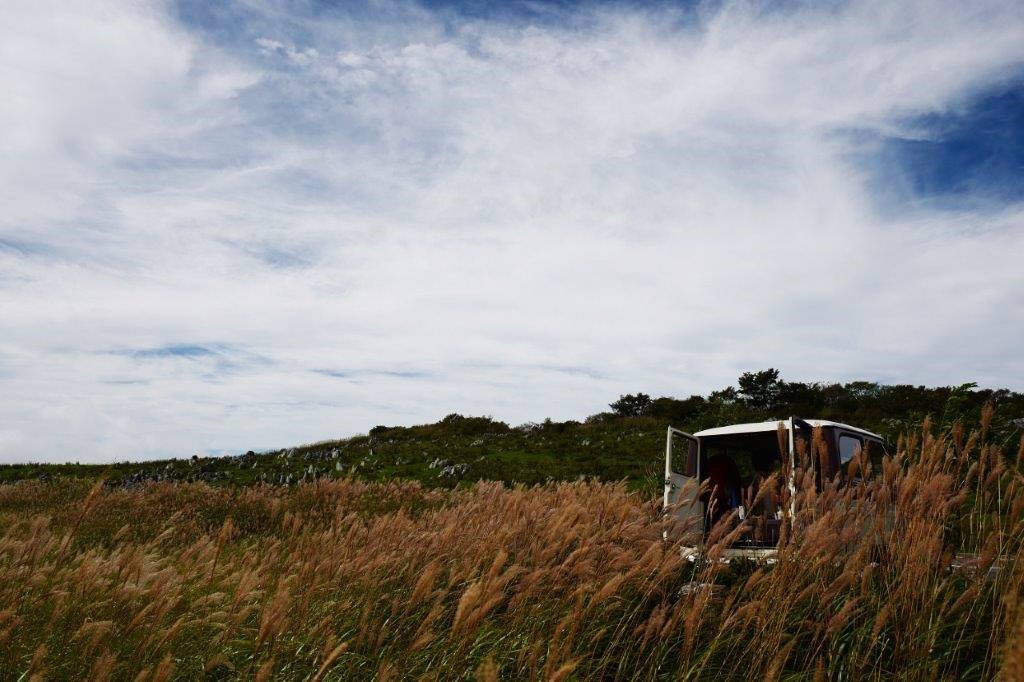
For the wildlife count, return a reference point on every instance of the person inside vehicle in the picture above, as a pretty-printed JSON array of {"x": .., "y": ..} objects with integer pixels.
[{"x": 723, "y": 488}]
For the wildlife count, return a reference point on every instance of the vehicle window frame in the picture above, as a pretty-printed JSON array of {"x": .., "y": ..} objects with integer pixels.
[
  {"x": 689, "y": 457},
  {"x": 859, "y": 440}
]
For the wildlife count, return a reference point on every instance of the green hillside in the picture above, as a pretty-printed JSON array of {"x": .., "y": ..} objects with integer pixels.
[{"x": 624, "y": 443}]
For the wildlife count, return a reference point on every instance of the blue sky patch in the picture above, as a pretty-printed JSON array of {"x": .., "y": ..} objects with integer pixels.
[
  {"x": 976, "y": 153},
  {"x": 334, "y": 374},
  {"x": 354, "y": 374},
  {"x": 23, "y": 248},
  {"x": 175, "y": 351}
]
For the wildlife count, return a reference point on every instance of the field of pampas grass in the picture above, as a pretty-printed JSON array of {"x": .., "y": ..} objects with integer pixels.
[{"x": 912, "y": 572}]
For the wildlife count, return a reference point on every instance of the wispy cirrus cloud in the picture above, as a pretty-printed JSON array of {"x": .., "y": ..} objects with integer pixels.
[{"x": 521, "y": 212}]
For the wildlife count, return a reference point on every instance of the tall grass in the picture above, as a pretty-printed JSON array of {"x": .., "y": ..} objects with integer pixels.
[{"x": 344, "y": 579}]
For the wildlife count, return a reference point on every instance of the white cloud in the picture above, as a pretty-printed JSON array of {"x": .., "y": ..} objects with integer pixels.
[
  {"x": 269, "y": 45},
  {"x": 499, "y": 218}
]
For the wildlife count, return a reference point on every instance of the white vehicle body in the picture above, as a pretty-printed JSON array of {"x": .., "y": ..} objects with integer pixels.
[{"x": 764, "y": 445}]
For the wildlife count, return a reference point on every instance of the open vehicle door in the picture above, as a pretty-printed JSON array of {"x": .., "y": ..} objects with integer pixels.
[{"x": 682, "y": 479}]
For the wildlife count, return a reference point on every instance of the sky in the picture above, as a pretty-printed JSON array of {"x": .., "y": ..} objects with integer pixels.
[{"x": 253, "y": 224}]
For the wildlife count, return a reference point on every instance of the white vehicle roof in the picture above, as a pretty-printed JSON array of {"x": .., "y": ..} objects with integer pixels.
[{"x": 761, "y": 427}]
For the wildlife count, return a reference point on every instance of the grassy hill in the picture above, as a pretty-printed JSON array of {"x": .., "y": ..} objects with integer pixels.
[
  {"x": 455, "y": 449},
  {"x": 624, "y": 443}
]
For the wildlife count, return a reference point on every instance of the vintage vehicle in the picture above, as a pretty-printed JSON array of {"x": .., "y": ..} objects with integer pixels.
[{"x": 716, "y": 472}]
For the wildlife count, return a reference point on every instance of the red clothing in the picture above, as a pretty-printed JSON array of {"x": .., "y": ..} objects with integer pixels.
[{"x": 724, "y": 486}]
